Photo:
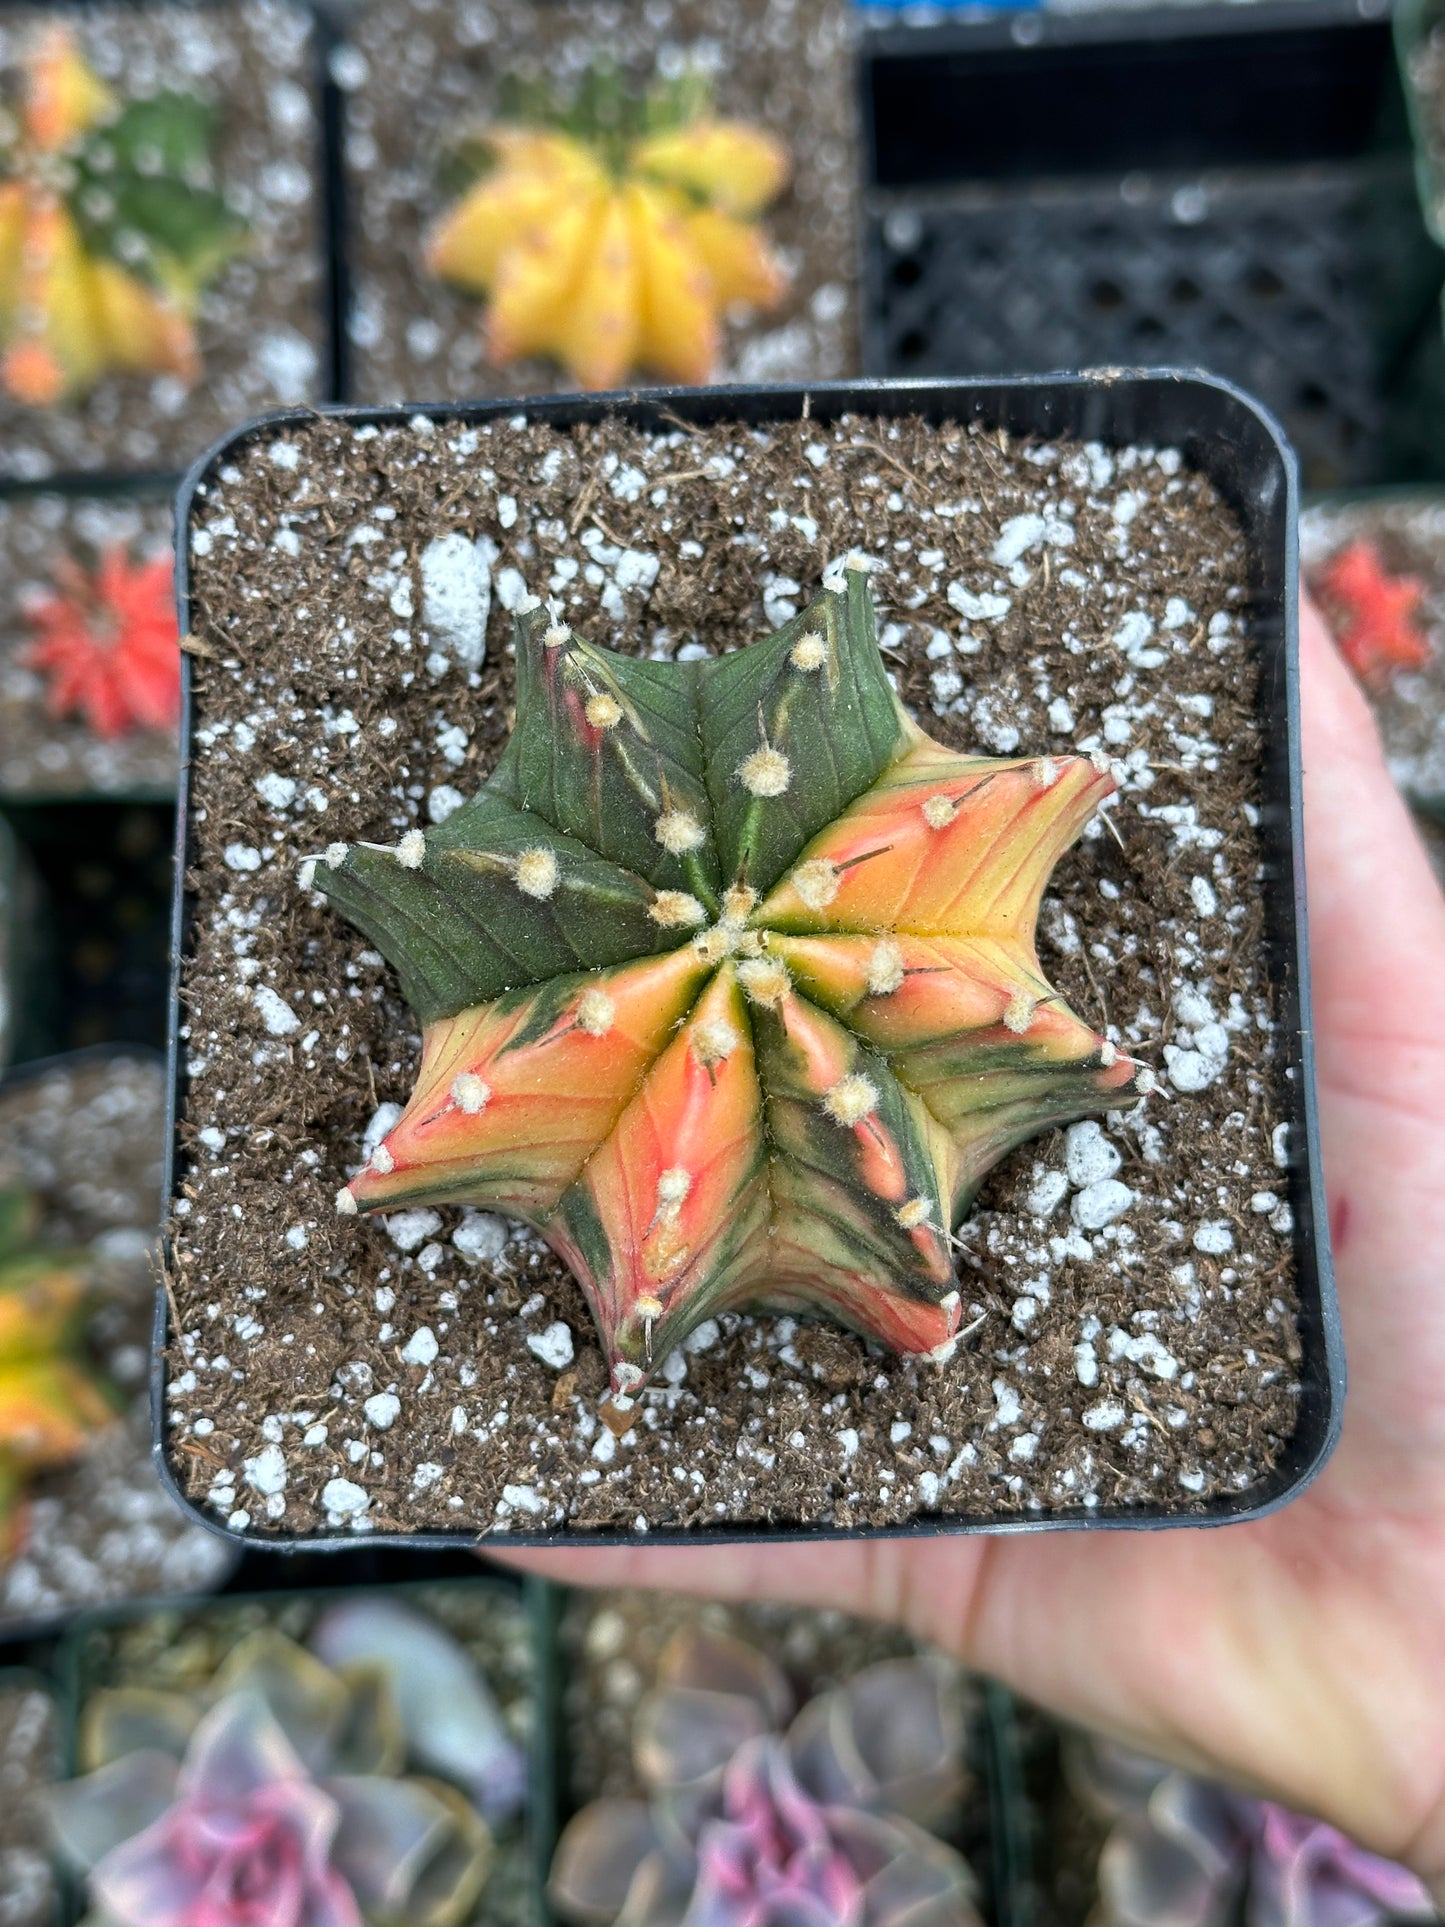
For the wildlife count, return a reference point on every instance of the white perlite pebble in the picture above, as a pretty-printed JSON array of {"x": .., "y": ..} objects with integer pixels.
[
  {"x": 553, "y": 1346},
  {"x": 524, "y": 1498},
  {"x": 266, "y": 1473},
  {"x": 1086, "y": 1364},
  {"x": 1045, "y": 1193},
  {"x": 1008, "y": 1408},
  {"x": 275, "y": 1013},
  {"x": 344, "y": 1498},
  {"x": 456, "y": 595},
  {"x": 481, "y": 1237},
  {"x": 242, "y": 856},
  {"x": 1088, "y": 1154},
  {"x": 1016, "y": 538},
  {"x": 1106, "y": 1416},
  {"x": 277, "y": 792},
  {"x": 1099, "y": 1204},
  {"x": 421, "y": 1348},
  {"x": 410, "y": 1229},
  {"x": 1024, "y": 1446},
  {"x": 1214, "y": 1237},
  {"x": 1201, "y": 890},
  {"x": 443, "y": 802},
  {"x": 383, "y": 1123},
  {"x": 382, "y": 1409}
]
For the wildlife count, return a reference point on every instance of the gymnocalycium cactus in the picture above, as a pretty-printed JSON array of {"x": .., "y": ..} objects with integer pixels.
[
  {"x": 280, "y": 1796},
  {"x": 111, "y": 226},
  {"x": 51, "y": 1401},
  {"x": 746, "y": 1825},
  {"x": 728, "y": 985}
]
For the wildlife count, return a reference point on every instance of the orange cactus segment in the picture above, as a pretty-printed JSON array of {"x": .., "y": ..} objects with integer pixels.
[
  {"x": 48, "y": 1409},
  {"x": 960, "y": 853},
  {"x": 742, "y": 265},
  {"x": 59, "y": 347},
  {"x": 513, "y": 1097},
  {"x": 64, "y": 99},
  {"x": 679, "y": 334},
  {"x": 536, "y": 281},
  {"x": 12, "y": 242},
  {"x": 598, "y": 336},
  {"x": 672, "y": 1210},
  {"x": 142, "y": 331},
  {"x": 108, "y": 645},
  {"x": 727, "y": 163}
]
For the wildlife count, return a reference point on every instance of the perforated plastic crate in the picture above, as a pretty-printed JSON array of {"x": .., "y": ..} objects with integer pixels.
[{"x": 1183, "y": 189}]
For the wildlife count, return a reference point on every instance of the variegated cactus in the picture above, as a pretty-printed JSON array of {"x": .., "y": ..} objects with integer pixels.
[{"x": 728, "y": 985}]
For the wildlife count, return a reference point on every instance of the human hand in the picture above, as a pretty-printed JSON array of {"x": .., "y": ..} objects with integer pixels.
[{"x": 1303, "y": 1654}]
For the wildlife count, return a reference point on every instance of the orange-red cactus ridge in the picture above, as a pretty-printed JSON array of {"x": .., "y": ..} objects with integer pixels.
[{"x": 808, "y": 1049}]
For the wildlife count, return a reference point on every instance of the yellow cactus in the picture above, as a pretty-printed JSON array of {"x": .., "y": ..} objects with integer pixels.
[
  {"x": 71, "y": 309},
  {"x": 610, "y": 255},
  {"x": 50, "y": 1401}
]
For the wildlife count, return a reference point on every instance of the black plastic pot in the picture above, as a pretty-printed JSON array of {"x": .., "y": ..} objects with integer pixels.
[
  {"x": 1223, "y": 187},
  {"x": 21, "y": 948},
  {"x": 79, "y": 1670},
  {"x": 1241, "y": 449}
]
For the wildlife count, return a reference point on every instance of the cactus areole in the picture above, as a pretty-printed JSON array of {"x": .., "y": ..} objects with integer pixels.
[{"x": 727, "y": 983}]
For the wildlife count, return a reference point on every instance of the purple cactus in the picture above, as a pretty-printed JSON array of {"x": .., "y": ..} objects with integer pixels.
[
  {"x": 749, "y": 1825},
  {"x": 1188, "y": 1853},
  {"x": 281, "y": 1803}
]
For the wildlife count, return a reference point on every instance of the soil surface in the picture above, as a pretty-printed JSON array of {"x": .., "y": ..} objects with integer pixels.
[
  {"x": 262, "y": 327},
  {"x": 422, "y": 74},
  {"x": 29, "y": 1762},
  {"x": 42, "y": 755},
  {"x": 1409, "y": 531},
  {"x": 180, "y": 1651},
  {"x": 88, "y": 1138},
  {"x": 1030, "y": 598},
  {"x": 612, "y": 1643}
]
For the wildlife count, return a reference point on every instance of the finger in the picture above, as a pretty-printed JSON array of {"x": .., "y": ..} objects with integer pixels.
[{"x": 1377, "y": 917}]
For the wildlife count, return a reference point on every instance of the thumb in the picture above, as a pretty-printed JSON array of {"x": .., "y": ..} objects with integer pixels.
[{"x": 1377, "y": 916}]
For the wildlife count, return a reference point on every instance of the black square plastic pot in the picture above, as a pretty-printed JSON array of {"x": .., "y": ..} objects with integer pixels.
[
  {"x": 80, "y": 1670},
  {"x": 1221, "y": 187},
  {"x": 1228, "y": 438}
]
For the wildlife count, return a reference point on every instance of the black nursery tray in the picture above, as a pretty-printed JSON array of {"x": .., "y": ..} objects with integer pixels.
[
  {"x": 1222, "y": 187},
  {"x": 247, "y": 1154}
]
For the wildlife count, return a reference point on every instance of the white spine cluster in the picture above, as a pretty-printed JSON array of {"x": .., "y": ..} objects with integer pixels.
[
  {"x": 917, "y": 1211},
  {"x": 714, "y": 1041},
  {"x": 765, "y": 980},
  {"x": 679, "y": 831},
  {"x": 556, "y": 635},
  {"x": 411, "y": 850},
  {"x": 767, "y": 772},
  {"x": 676, "y": 910},
  {"x": 536, "y": 872},
  {"x": 939, "y": 811},
  {"x": 885, "y": 968},
  {"x": 851, "y": 1099},
  {"x": 470, "y": 1095},
  {"x": 345, "y": 1204},
  {"x": 603, "y": 711},
  {"x": 596, "y": 1013},
  {"x": 816, "y": 882},
  {"x": 809, "y": 653},
  {"x": 336, "y": 854},
  {"x": 383, "y": 1161},
  {"x": 1019, "y": 1013}
]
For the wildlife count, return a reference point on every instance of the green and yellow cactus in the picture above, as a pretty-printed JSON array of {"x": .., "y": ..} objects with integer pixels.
[
  {"x": 51, "y": 1401},
  {"x": 110, "y": 228},
  {"x": 614, "y": 237},
  {"x": 728, "y": 983}
]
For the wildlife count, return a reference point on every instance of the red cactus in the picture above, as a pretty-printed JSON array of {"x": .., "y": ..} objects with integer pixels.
[
  {"x": 728, "y": 984},
  {"x": 1377, "y": 615},
  {"x": 109, "y": 644}
]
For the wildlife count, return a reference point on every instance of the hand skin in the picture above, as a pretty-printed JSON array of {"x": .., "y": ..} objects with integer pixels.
[{"x": 1303, "y": 1655}]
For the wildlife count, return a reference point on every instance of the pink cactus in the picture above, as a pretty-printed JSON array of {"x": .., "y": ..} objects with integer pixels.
[{"x": 750, "y": 1826}]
